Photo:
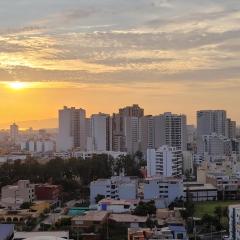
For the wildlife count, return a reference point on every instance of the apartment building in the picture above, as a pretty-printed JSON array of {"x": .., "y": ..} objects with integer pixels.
[
  {"x": 234, "y": 222},
  {"x": 170, "y": 129},
  {"x": 164, "y": 161},
  {"x": 116, "y": 187},
  {"x": 163, "y": 190},
  {"x": 14, "y": 195},
  {"x": 72, "y": 129}
]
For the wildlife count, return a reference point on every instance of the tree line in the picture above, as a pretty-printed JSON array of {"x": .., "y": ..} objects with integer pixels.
[{"x": 69, "y": 172}]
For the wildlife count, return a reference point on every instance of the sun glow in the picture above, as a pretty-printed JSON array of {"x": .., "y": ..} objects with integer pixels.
[{"x": 17, "y": 85}]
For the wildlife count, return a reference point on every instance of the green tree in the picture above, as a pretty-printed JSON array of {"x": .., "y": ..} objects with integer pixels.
[
  {"x": 218, "y": 211},
  {"x": 26, "y": 205},
  {"x": 143, "y": 209},
  {"x": 99, "y": 197}
]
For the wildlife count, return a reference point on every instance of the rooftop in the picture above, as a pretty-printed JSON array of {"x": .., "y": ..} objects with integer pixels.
[
  {"x": 127, "y": 218},
  {"x": 92, "y": 216},
  {"x": 6, "y": 230},
  {"x": 161, "y": 178},
  {"x": 42, "y": 235},
  {"x": 118, "y": 202},
  {"x": 177, "y": 228},
  {"x": 206, "y": 186}
]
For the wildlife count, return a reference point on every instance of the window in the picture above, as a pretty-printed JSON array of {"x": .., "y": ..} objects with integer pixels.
[{"x": 180, "y": 236}]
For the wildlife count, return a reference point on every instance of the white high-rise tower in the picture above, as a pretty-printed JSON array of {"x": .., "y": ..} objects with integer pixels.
[{"x": 72, "y": 130}]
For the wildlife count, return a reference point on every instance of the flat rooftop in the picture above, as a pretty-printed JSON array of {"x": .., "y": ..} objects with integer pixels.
[
  {"x": 118, "y": 202},
  {"x": 127, "y": 218},
  {"x": 206, "y": 186},
  {"x": 59, "y": 234},
  {"x": 97, "y": 216}
]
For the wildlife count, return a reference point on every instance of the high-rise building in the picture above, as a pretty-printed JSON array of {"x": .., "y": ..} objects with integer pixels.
[
  {"x": 170, "y": 129},
  {"x": 230, "y": 128},
  {"x": 118, "y": 137},
  {"x": 234, "y": 221},
  {"x": 165, "y": 161},
  {"x": 131, "y": 133},
  {"x": 14, "y": 133},
  {"x": 132, "y": 111},
  {"x": 146, "y": 133},
  {"x": 125, "y": 129},
  {"x": 72, "y": 129},
  {"x": 211, "y": 145},
  {"x": 211, "y": 121},
  {"x": 101, "y": 130}
]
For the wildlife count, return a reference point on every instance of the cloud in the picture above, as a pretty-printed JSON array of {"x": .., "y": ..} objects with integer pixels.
[{"x": 108, "y": 43}]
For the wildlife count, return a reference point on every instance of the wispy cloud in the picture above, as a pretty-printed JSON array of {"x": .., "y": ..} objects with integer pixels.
[{"x": 92, "y": 42}]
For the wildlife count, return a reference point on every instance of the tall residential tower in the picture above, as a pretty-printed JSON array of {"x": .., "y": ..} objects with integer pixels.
[{"x": 72, "y": 130}]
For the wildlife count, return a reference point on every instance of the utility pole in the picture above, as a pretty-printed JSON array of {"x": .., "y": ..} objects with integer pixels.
[
  {"x": 211, "y": 233},
  {"x": 107, "y": 229},
  {"x": 194, "y": 228}
]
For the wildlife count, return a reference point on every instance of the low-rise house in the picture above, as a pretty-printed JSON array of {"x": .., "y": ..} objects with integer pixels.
[
  {"x": 228, "y": 187},
  {"x": 47, "y": 192},
  {"x": 91, "y": 219},
  {"x": 44, "y": 235},
  {"x": 167, "y": 217},
  {"x": 179, "y": 232},
  {"x": 170, "y": 232},
  {"x": 199, "y": 192},
  {"x": 117, "y": 206},
  {"x": 17, "y": 217},
  {"x": 128, "y": 220}
]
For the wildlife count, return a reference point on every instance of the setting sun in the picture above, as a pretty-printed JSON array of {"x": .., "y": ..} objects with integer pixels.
[{"x": 17, "y": 85}]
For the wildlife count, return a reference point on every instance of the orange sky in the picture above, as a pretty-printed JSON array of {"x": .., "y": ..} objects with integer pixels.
[
  {"x": 42, "y": 100},
  {"x": 165, "y": 55}
]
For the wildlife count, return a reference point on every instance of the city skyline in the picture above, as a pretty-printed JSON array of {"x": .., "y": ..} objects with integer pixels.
[
  {"x": 53, "y": 122},
  {"x": 166, "y": 55}
]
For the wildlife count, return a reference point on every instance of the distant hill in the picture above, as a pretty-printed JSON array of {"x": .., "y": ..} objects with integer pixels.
[{"x": 35, "y": 124}]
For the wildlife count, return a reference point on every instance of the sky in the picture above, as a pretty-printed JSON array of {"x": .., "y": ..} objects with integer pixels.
[{"x": 166, "y": 55}]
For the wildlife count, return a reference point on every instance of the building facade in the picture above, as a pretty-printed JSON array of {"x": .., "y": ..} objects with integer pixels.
[
  {"x": 211, "y": 121},
  {"x": 117, "y": 187},
  {"x": 234, "y": 222},
  {"x": 14, "y": 195},
  {"x": 72, "y": 129},
  {"x": 163, "y": 190},
  {"x": 14, "y": 133},
  {"x": 101, "y": 132},
  {"x": 170, "y": 129},
  {"x": 165, "y": 161}
]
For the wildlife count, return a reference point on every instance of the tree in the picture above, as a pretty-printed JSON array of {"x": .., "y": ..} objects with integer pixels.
[
  {"x": 26, "y": 205},
  {"x": 127, "y": 165},
  {"x": 151, "y": 223},
  {"x": 63, "y": 223},
  {"x": 218, "y": 211},
  {"x": 99, "y": 197},
  {"x": 143, "y": 209},
  {"x": 209, "y": 221},
  {"x": 225, "y": 212}
]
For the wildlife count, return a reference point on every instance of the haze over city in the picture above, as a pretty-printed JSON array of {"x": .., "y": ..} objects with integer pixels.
[
  {"x": 166, "y": 55},
  {"x": 119, "y": 119}
]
